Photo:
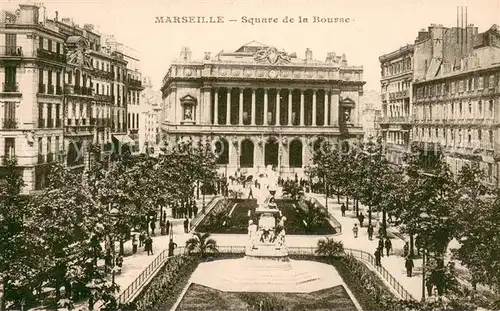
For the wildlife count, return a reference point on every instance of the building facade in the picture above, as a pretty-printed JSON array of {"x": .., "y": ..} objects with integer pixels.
[
  {"x": 371, "y": 114},
  {"x": 456, "y": 96},
  {"x": 149, "y": 119},
  {"x": 396, "y": 86},
  {"x": 260, "y": 106},
  {"x": 62, "y": 89}
]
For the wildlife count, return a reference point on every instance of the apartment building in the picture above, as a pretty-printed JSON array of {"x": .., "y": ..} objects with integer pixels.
[{"x": 62, "y": 89}]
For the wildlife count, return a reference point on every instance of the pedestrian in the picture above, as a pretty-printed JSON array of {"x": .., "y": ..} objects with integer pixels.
[
  {"x": 168, "y": 227},
  {"x": 381, "y": 246},
  {"x": 250, "y": 193},
  {"x": 108, "y": 260},
  {"x": 195, "y": 210},
  {"x": 409, "y": 266},
  {"x": 377, "y": 257},
  {"x": 119, "y": 263},
  {"x": 343, "y": 209},
  {"x": 429, "y": 287},
  {"x": 162, "y": 227},
  {"x": 149, "y": 245},
  {"x": 361, "y": 218},
  {"x": 153, "y": 226},
  {"x": 164, "y": 216},
  {"x": 370, "y": 232},
  {"x": 418, "y": 244},
  {"x": 186, "y": 225},
  {"x": 355, "y": 230},
  {"x": 134, "y": 244},
  {"x": 388, "y": 246},
  {"x": 406, "y": 248},
  {"x": 190, "y": 212},
  {"x": 142, "y": 238}
]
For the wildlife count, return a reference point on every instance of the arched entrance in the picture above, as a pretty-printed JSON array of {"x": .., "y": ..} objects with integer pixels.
[
  {"x": 246, "y": 157},
  {"x": 221, "y": 151},
  {"x": 295, "y": 153},
  {"x": 271, "y": 150}
]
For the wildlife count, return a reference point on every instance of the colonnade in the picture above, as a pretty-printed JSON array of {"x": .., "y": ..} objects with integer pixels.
[{"x": 269, "y": 106}]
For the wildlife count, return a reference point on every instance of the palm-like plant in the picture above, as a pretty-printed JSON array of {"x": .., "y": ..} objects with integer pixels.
[
  {"x": 329, "y": 247},
  {"x": 201, "y": 244},
  {"x": 293, "y": 190},
  {"x": 311, "y": 217}
]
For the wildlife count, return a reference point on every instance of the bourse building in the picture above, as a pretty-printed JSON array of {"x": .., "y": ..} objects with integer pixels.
[{"x": 260, "y": 106}]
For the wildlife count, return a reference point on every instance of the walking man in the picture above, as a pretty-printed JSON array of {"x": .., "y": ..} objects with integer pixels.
[
  {"x": 186, "y": 225},
  {"x": 361, "y": 218},
  {"x": 134, "y": 244},
  {"x": 171, "y": 247},
  {"x": 406, "y": 249},
  {"x": 381, "y": 247},
  {"x": 168, "y": 227},
  {"x": 388, "y": 246},
  {"x": 149, "y": 245},
  {"x": 377, "y": 257},
  {"x": 370, "y": 232},
  {"x": 355, "y": 230},
  {"x": 409, "y": 266},
  {"x": 342, "y": 209},
  {"x": 250, "y": 193}
]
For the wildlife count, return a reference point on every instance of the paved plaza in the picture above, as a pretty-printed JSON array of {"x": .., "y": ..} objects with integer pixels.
[{"x": 135, "y": 264}]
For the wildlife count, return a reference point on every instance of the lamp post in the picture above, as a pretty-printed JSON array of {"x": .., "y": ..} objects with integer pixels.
[
  {"x": 423, "y": 216},
  {"x": 114, "y": 214}
]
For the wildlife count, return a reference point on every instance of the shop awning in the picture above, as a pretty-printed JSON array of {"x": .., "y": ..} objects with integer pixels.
[{"x": 124, "y": 139}]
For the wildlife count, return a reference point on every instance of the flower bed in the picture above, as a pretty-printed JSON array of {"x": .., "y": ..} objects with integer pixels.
[
  {"x": 200, "y": 297},
  {"x": 221, "y": 220}
]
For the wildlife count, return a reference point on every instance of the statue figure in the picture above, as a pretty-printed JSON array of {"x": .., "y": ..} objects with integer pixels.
[
  {"x": 252, "y": 233},
  {"x": 281, "y": 238}
]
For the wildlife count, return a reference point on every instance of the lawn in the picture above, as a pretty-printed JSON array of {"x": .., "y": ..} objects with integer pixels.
[
  {"x": 234, "y": 219},
  {"x": 199, "y": 297}
]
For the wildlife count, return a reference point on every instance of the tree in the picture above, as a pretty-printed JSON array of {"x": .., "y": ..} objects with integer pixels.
[
  {"x": 478, "y": 231},
  {"x": 329, "y": 247},
  {"x": 201, "y": 244}
]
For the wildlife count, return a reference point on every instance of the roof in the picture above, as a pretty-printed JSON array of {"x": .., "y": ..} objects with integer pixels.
[{"x": 252, "y": 46}]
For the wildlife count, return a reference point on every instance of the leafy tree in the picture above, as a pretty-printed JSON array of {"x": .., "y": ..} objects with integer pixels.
[
  {"x": 201, "y": 244},
  {"x": 329, "y": 247}
]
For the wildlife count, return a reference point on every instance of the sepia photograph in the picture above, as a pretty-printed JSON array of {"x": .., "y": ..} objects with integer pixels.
[{"x": 250, "y": 155}]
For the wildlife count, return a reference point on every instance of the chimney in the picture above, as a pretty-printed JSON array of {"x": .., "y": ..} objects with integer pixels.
[
  {"x": 185, "y": 54},
  {"x": 309, "y": 54},
  {"x": 28, "y": 14},
  {"x": 57, "y": 16}
]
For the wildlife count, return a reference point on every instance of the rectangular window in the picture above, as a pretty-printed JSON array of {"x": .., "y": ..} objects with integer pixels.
[
  {"x": 40, "y": 43},
  {"x": 58, "y": 48},
  {"x": 11, "y": 44},
  {"x": 490, "y": 136},
  {"x": 10, "y": 79},
  {"x": 10, "y": 147},
  {"x": 490, "y": 107},
  {"x": 49, "y": 45}
]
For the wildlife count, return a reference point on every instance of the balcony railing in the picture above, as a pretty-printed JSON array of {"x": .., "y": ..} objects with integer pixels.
[
  {"x": 41, "y": 123},
  {"x": 58, "y": 122},
  {"x": 61, "y": 58},
  {"x": 59, "y": 90},
  {"x": 104, "y": 74},
  {"x": 78, "y": 90},
  {"x": 10, "y": 87},
  {"x": 50, "y": 123},
  {"x": 9, "y": 124},
  {"x": 400, "y": 94},
  {"x": 41, "y": 88},
  {"x": 134, "y": 83},
  {"x": 50, "y": 89},
  {"x": 106, "y": 98},
  {"x": 11, "y": 50}
]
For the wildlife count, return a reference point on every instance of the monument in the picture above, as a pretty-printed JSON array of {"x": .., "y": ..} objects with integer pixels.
[
  {"x": 267, "y": 237},
  {"x": 266, "y": 266}
]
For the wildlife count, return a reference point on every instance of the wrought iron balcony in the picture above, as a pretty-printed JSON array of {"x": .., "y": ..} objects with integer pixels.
[
  {"x": 50, "y": 89},
  {"x": 10, "y": 87},
  {"x": 104, "y": 74},
  {"x": 78, "y": 90},
  {"x": 9, "y": 124},
  {"x": 41, "y": 123},
  {"x": 134, "y": 83},
  {"x": 50, "y": 123},
  {"x": 58, "y": 122},
  {"x": 41, "y": 88},
  {"x": 106, "y": 98},
  {"x": 48, "y": 55},
  {"x": 11, "y": 50},
  {"x": 59, "y": 90}
]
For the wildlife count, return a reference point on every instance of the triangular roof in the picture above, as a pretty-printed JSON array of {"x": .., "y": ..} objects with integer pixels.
[
  {"x": 251, "y": 46},
  {"x": 188, "y": 97},
  {"x": 347, "y": 100}
]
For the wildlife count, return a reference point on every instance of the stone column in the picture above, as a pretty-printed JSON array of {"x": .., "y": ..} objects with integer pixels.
[
  {"x": 278, "y": 107},
  {"x": 265, "y": 107},
  {"x": 240, "y": 108},
  {"x": 290, "y": 106},
  {"x": 325, "y": 114},
  {"x": 207, "y": 110},
  {"x": 314, "y": 108},
  {"x": 199, "y": 107},
  {"x": 335, "y": 109},
  {"x": 253, "y": 107},
  {"x": 216, "y": 106},
  {"x": 301, "y": 107},
  {"x": 228, "y": 106}
]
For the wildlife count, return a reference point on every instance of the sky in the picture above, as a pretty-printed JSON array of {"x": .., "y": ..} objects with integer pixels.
[{"x": 375, "y": 27}]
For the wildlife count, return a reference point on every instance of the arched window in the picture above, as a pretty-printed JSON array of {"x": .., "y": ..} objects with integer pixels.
[{"x": 295, "y": 153}]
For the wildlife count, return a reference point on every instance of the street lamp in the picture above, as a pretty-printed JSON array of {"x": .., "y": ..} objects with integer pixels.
[
  {"x": 423, "y": 216},
  {"x": 114, "y": 214}
]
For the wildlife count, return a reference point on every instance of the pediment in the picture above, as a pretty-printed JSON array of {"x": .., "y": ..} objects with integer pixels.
[
  {"x": 347, "y": 102},
  {"x": 188, "y": 98}
]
